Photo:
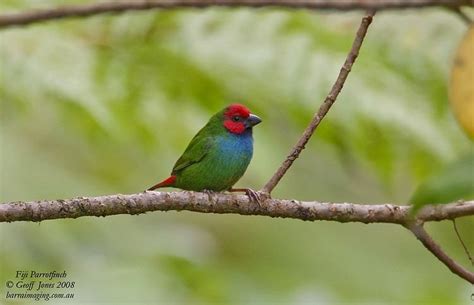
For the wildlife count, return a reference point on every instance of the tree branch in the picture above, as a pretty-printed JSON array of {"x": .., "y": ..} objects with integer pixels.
[
  {"x": 223, "y": 203},
  {"x": 433, "y": 247},
  {"x": 29, "y": 17},
  {"x": 326, "y": 105}
]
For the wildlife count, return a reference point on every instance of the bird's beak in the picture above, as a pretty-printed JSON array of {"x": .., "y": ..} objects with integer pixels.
[{"x": 252, "y": 120}]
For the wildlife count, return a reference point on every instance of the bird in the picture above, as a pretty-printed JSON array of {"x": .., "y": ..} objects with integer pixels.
[{"x": 218, "y": 155}]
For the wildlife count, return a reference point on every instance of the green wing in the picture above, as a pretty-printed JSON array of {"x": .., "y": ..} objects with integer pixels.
[{"x": 195, "y": 152}]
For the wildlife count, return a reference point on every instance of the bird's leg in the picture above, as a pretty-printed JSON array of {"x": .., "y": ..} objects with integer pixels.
[{"x": 253, "y": 195}]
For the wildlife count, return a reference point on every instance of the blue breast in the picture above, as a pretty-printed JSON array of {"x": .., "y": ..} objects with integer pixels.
[
  {"x": 236, "y": 146},
  {"x": 233, "y": 155},
  {"x": 222, "y": 166}
]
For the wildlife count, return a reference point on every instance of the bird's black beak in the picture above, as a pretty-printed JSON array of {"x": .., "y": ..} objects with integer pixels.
[{"x": 252, "y": 120}]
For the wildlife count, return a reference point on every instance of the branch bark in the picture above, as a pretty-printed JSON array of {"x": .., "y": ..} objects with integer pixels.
[
  {"x": 222, "y": 203},
  {"x": 86, "y": 10},
  {"x": 326, "y": 105}
]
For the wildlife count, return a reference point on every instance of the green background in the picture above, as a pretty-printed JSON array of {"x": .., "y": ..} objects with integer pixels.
[{"x": 105, "y": 105}]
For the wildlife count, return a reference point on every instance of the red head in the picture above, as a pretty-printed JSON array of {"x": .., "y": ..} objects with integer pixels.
[{"x": 237, "y": 118}]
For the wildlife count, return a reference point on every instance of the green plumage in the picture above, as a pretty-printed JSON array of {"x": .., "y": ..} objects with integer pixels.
[{"x": 216, "y": 158}]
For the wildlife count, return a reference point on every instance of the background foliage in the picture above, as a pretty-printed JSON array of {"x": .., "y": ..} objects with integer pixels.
[{"x": 106, "y": 104}]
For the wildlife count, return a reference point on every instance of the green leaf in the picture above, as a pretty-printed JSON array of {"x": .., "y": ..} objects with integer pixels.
[{"x": 454, "y": 182}]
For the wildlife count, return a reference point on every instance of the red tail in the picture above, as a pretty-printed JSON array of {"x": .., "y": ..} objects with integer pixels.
[{"x": 167, "y": 182}]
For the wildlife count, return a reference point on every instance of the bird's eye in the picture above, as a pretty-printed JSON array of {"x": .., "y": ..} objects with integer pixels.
[{"x": 235, "y": 118}]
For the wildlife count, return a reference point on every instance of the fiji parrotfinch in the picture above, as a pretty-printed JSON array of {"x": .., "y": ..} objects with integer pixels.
[{"x": 218, "y": 155}]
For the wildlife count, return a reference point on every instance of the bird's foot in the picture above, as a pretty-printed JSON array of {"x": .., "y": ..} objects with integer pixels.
[
  {"x": 253, "y": 195},
  {"x": 209, "y": 193}
]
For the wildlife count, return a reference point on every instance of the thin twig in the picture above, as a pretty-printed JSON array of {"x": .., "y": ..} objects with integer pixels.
[
  {"x": 466, "y": 250},
  {"x": 85, "y": 10},
  {"x": 433, "y": 247},
  {"x": 324, "y": 108}
]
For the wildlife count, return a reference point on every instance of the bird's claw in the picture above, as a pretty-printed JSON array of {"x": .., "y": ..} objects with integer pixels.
[
  {"x": 209, "y": 193},
  {"x": 253, "y": 196}
]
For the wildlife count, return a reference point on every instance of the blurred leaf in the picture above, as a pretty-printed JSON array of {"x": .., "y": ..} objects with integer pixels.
[{"x": 454, "y": 182}]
